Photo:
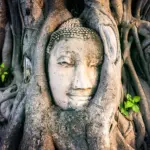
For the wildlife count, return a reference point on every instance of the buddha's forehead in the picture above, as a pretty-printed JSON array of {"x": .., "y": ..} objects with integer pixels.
[{"x": 78, "y": 48}]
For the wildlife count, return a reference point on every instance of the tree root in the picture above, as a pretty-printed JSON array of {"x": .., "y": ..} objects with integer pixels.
[
  {"x": 39, "y": 93},
  {"x": 12, "y": 84},
  {"x": 126, "y": 44},
  {"x": 34, "y": 15},
  {"x": 103, "y": 4},
  {"x": 17, "y": 101},
  {"x": 139, "y": 47},
  {"x": 145, "y": 146},
  {"x": 5, "y": 109},
  {"x": 143, "y": 27},
  {"x": 138, "y": 9},
  {"x": 16, "y": 53},
  {"x": 3, "y": 21},
  {"x": 11, "y": 95},
  {"x": 118, "y": 7},
  {"x": 127, "y": 13},
  {"x": 140, "y": 128},
  {"x": 16, "y": 32},
  {"x": 143, "y": 103},
  {"x": 118, "y": 141},
  {"x": 145, "y": 43},
  {"x": 2, "y": 37},
  {"x": 146, "y": 9},
  {"x": 3, "y": 14},
  {"x": 137, "y": 86},
  {"x": 107, "y": 97},
  {"x": 143, "y": 7},
  {"x": 7, "y": 95},
  {"x": 7, "y": 47},
  {"x": 121, "y": 141},
  {"x": 14, "y": 115},
  {"x": 8, "y": 92},
  {"x": 124, "y": 124},
  {"x": 13, "y": 132}
]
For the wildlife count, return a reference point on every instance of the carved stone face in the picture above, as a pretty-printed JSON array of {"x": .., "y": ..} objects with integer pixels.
[{"x": 73, "y": 72}]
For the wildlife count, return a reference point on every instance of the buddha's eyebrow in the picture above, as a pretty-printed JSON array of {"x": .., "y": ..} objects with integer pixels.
[{"x": 67, "y": 52}]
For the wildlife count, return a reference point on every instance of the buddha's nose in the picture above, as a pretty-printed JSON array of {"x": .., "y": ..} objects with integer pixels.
[{"x": 81, "y": 79}]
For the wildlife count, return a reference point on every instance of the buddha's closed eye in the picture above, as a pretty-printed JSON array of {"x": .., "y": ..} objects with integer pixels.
[{"x": 65, "y": 61}]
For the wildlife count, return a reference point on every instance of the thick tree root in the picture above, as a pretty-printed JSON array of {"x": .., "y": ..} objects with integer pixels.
[
  {"x": 3, "y": 21},
  {"x": 118, "y": 7},
  {"x": 11, "y": 95},
  {"x": 6, "y": 96},
  {"x": 37, "y": 106},
  {"x": 140, "y": 128},
  {"x": 7, "y": 47},
  {"x": 146, "y": 9},
  {"x": 5, "y": 109},
  {"x": 107, "y": 97},
  {"x": 138, "y": 8},
  {"x": 19, "y": 97},
  {"x": 13, "y": 131},
  {"x": 16, "y": 32},
  {"x": 137, "y": 85},
  {"x": 139, "y": 47},
  {"x": 143, "y": 27},
  {"x": 122, "y": 136},
  {"x": 12, "y": 84},
  {"x": 143, "y": 104}
]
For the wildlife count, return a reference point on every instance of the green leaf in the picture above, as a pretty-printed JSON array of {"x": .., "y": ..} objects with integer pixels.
[
  {"x": 5, "y": 73},
  {"x": 124, "y": 112},
  {"x": 125, "y": 104},
  {"x": 135, "y": 108},
  {"x": 3, "y": 77},
  {"x": 136, "y": 99},
  {"x": 121, "y": 105},
  {"x": 129, "y": 97},
  {"x": 128, "y": 104},
  {"x": 2, "y": 65}
]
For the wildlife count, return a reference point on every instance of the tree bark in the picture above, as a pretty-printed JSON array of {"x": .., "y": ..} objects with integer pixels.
[{"x": 28, "y": 118}]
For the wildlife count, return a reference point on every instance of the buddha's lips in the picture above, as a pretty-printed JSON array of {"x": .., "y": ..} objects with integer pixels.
[
  {"x": 79, "y": 97},
  {"x": 80, "y": 93}
]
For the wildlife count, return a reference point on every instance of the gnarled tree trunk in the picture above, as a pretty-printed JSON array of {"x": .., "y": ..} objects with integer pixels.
[{"x": 27, "y": 111}]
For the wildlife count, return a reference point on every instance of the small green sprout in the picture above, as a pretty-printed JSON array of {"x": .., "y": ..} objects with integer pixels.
[
  {"x": 130, "y": 104},
  {"x": 3, "y": 72}
]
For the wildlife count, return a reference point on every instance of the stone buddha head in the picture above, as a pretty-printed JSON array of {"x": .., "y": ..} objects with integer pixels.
[{"x": 75, "y": 58}]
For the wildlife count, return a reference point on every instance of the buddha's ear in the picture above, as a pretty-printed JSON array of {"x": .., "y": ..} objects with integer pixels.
[
  {"x": 104, "y": 24},
  {"x": 110, "y": 43}
]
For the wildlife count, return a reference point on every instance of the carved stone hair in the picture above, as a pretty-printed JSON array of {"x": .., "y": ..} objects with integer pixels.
[{"x": 72, "y": 28}]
